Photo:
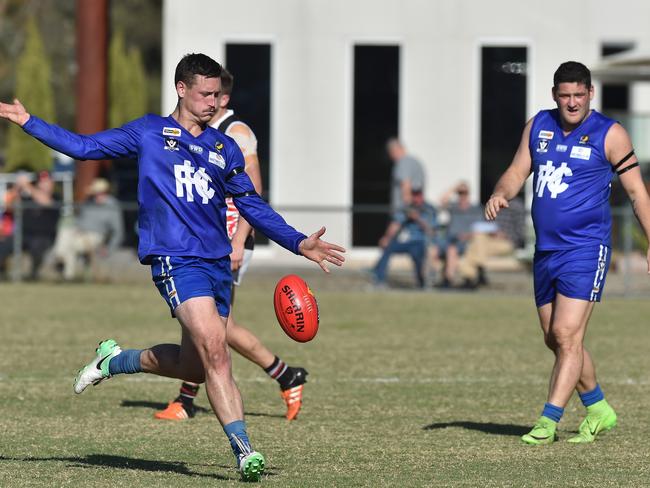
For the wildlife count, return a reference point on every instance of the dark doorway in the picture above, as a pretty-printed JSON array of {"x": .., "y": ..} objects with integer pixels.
[
  {"x": 615, "y": 96},
  {"x": 376, "y": 111},
  {"x": 503, "y": 110},
  {"x": 250, "y": 65}
]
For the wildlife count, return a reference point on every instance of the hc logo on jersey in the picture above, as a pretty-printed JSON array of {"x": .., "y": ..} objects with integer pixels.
[
  {"x": 188, "y": 179},
  {"x": 551, "y": 177},
  {"x": 542, "y": 146}
]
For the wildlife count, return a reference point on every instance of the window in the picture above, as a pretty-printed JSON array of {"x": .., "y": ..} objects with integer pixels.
[
  {"x": 615, "y": 96},
  {"x": 375, "y": 120},
  {"x": 250, "y": 65},
  {"x": 503, "y": 110}
]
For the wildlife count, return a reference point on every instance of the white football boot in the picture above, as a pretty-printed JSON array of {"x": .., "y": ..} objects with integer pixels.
[{"x": 97, "y": 370}]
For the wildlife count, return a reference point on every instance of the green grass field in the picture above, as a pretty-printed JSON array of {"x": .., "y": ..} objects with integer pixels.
[{"x": 406, "y": 389}]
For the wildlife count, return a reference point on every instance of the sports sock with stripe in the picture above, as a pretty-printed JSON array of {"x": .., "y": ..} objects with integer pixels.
[
  {"x": 236, "y": 433},
  {"x": 187, "y": 394},
  {"x": 280, "y": 372}
]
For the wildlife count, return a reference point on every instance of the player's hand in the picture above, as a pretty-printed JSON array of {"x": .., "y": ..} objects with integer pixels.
[
  {"x": 236, "y": 256},
  {"x": 14, "y": 112},
  {"x": 321, "y": 252},
  {"x": 494, "y": 206}
]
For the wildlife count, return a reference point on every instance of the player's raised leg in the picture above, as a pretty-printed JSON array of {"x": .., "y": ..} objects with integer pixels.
[{"x": 202, "y": 356}]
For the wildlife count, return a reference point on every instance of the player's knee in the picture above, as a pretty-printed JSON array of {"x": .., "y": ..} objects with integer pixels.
[
  {"x": 214, "y": 354},
  {"x": 550, "y": 342},
  {"x": 567, "y": 339}
]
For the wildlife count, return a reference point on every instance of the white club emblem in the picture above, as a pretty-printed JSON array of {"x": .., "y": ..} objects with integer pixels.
[
  {"x": 188, "y": 179},
  {"x": 551, "y": 177}
]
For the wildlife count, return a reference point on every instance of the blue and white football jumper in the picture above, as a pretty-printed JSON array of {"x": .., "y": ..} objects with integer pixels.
[
  {"x": 570, "y": 208},
  {"x": 183, "y": 183}
]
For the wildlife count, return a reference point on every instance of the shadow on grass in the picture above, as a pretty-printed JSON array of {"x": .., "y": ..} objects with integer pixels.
[
  {"x": 161, "y": 406},
  {"x": 487, "y": 427},
  {"x": 121, "y": 462},
  {"x": 155, "y": 405}
]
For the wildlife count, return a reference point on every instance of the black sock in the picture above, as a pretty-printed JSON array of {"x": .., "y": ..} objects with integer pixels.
[
  {"x": 280, "y": 372},
  {"x": 187, "y": 395}
]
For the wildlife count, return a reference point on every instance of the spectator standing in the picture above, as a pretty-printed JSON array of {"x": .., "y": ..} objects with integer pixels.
[{"x": 408, "y": 175}]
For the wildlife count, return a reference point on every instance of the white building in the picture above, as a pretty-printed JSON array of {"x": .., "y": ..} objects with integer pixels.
[{"x": 442, "y": 60}]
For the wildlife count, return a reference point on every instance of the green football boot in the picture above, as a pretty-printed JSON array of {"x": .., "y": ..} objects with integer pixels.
[
  {"x": 96, "y": 370},
  {"x": 600, "y": 418},
  {"x": 249, "y": 463},
  {"x": 542, "y": 433},
  {"x": 251, "y": 466}
]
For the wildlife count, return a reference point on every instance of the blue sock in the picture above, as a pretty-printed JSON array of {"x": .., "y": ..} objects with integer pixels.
[
  {"x": 590, "y": 397},
  {"x": 237, "y": 430},
  {"x": 552, "y": 412},
  {"x": 127, "y": 362}
]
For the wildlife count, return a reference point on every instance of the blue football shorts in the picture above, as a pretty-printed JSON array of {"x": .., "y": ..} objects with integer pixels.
[
  {"x": 575, "y": 273},
  {"x": 181, "y": 278}
]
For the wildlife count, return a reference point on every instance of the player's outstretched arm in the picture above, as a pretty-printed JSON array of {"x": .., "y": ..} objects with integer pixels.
[
  {"x": 513, "y": 179},
  {"x": 320, "y": 251},
  {"x": 14, "y": 112}
]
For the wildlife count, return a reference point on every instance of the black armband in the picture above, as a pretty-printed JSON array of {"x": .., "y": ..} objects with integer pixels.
[
  {"x": 625, "y": 170},
  {"x": 235, "y": 172},
  {"x": 243, "y": 194},
  {"x": 628, "y": 156}
]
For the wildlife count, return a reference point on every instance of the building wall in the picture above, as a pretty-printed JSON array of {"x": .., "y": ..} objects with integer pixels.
[{"x": 312, "y": 44}]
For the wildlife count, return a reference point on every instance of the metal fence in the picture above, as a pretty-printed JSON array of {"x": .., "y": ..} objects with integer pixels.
[{"x": 628, "y": 239}]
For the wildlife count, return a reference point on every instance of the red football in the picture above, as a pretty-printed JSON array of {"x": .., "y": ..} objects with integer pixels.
[{"x": 296, "y": 308}]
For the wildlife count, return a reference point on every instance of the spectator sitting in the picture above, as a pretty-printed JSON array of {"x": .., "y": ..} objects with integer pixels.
[
  {"x": 498, "y": 238},
  {"x": 463, "y": 214},
  {"x": 410, "y": 232},
  {"x": 38, "y": 219},
  {"x": 98, "y": 230}
]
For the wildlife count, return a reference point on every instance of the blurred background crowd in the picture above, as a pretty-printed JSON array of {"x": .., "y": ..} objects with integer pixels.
[{"x": 398, "y": 170}]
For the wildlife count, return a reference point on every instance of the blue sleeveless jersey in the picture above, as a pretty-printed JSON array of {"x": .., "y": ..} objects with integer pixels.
[
  {"x": 182, "y": 186},
  {"x": 571, "y": 183}
]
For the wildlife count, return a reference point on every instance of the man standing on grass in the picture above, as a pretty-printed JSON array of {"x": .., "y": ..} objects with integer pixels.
[
  {"x": 186, "y": 170},
  {"x": 573, "y": 152}
]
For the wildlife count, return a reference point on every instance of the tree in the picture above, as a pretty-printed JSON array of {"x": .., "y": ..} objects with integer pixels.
[
  {"x": 34, "y": 90},
  {"x": 127, "y": 82}
]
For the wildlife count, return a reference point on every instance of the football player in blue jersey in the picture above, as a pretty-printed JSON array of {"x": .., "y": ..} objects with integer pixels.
[
  {"x": 186, "y": 171},
  {"x": 573, "y": 152},
  {"x": 291, "y": 379}
]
